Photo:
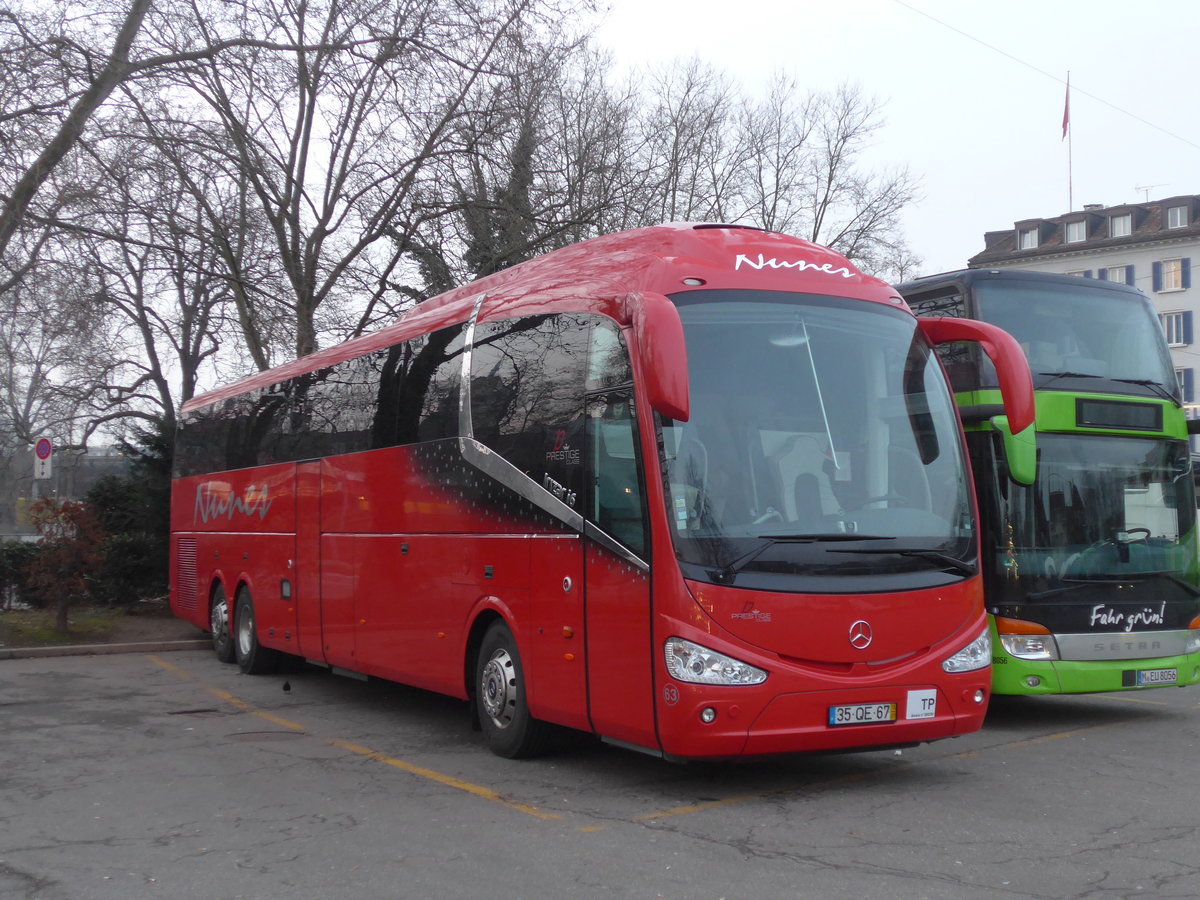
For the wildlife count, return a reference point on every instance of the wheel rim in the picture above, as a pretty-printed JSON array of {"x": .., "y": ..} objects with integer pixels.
[
  {"x": 498, "y": 688},
  {"x": 218, "y": 620},
  {"x": 245, "y": 631}
]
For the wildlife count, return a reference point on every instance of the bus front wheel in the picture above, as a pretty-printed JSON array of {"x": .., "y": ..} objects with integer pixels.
[
  {"x": 218, "y": 620},
  {"x": 252, "y": 657},
  {"x": 510, "y": 730}
]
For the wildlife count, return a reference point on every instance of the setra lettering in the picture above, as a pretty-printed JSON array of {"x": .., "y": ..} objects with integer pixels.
[{"x": 1117, "y": 647}]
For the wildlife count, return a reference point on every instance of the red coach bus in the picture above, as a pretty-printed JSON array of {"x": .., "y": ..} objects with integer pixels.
[{"x": 698, "y": 489}]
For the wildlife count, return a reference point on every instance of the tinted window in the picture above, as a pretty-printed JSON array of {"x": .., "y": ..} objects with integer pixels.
[
  {"x": 616, "y": 501},
  {"x": 608, "y": 362},
  {"x": 527, "y": 379},
  {"x": 396, "y": 395}
]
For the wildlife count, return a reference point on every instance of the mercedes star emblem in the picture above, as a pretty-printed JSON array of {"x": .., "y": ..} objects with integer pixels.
[{"x": 860, "y": 635}]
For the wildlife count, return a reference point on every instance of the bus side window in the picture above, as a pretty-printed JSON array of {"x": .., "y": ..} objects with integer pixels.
[
  {"x": 527, "y": 380},
  {"x": 616, "y": 501},
  {"x": 608, "y": 360}
]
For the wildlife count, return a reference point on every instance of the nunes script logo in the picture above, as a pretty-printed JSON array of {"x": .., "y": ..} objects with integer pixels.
[
  {"x": 798, "y": 264},
  {"x": 214, "y": 500}
]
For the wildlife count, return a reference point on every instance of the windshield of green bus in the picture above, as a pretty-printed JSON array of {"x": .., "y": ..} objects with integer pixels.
[
  {"x": 1084, "y": 331},
  {"x": 1102, "y": 507},
  {"x": 822, "y": 444}
]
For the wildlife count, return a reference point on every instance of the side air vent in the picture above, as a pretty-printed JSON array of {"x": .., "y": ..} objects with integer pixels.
[{"x": 185, "y": 573}]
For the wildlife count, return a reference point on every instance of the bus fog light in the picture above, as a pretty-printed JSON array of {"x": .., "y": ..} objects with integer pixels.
[
  {"x": 1032, "y": 681},
  {"x": 698, "y": 664},
  {"x": 707, "y": 715},
  {"x": 979, "y": 695},
  {"x": 976, "y": 655},
  {"x": 1030, "y": 646}
]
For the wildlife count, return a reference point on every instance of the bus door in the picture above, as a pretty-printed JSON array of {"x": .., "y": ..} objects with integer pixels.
[
  {"x": 304, "y": 567},
  {"x": 617, "y": 601}
]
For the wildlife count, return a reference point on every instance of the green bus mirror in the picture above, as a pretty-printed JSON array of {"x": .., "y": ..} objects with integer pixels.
[{"x": 1020, "y": 450}]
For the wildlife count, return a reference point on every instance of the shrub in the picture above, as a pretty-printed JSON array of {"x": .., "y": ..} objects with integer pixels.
[
  {"x": 69, "y": 558},
  {"x": 16, "y": 558},
  {"x": 132, "y": 569}
]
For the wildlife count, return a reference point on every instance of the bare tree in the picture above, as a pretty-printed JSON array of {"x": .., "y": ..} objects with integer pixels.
[
  {"x": 77, "y": 105},
  {"x": 690, "y": 148},
  {"x": 554, "y": 162},
  {"x": 335, "y": 132}
]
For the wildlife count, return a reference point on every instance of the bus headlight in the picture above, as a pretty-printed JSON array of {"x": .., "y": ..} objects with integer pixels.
[
  {"x": 976, "y": 655},
  {"x": 1030, "y": 646},
  {"x": 692, "y": 662}
]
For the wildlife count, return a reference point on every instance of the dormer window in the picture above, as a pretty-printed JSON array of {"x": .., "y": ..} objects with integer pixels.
[
  {"x": 1076, "y": 232},
  {"x": 1120, "y": 226},
  {"x": 1027, "y": 239},
  {"x": 1177, "y": 217}
]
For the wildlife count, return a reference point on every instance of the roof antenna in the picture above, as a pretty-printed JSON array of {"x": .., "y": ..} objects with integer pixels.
[{"x": 1146, "y": 189}]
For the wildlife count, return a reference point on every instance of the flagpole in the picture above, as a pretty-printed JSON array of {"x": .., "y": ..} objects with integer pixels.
[{"x": 1070, "y": 149}]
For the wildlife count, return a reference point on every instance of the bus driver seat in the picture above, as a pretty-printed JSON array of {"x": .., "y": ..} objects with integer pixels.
[{"x": 799, "y": 466}]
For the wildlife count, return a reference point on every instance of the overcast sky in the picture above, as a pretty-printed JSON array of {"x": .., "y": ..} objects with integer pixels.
[{"x": 981, "y": 126}]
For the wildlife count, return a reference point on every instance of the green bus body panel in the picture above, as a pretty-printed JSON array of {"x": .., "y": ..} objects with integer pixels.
[
  {"x": 1056, "y": 413},
  {"x": 1010, "y": 674}
]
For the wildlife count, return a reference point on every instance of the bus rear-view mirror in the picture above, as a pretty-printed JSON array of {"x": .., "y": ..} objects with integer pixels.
[
  {"x": 663, "y": 355},
  {"x": 1016, "y": 427}
]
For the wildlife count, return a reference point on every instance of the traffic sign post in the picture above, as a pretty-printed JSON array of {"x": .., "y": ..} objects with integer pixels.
[{"x": 43, "y": 450}]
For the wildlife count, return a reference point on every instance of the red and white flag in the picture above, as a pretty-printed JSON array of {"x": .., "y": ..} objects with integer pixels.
[{"x": 1067, "y": 109}]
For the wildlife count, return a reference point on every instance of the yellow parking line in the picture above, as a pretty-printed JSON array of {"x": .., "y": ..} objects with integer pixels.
[
  {"x": 440, "y": 778},
  {"x": 277, "y": 720},
  {"x": 175, "y": 670},
  {"x": 229, "y": 698},
  {"x": 420, "y": 771},
  {"x": 1029, "y": 742},
  {"x": 1125, "y": 698},
  {"x": 696, "y": 807},
  {"x": 792, "y": 789}
]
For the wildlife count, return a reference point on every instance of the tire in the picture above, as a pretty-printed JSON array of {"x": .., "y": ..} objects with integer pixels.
[
  {"x": 510, "y": 731},
  {"x": 252, "y": 657},
  {"x": 218, "y": 620}
]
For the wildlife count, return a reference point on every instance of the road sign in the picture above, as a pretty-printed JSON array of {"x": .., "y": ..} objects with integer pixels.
[{"x": 43, "y": 451}]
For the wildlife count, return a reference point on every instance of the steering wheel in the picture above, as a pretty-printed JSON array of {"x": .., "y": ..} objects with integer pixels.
[
  {"x": 1144, "y": 532},
  {"x": 771, "y": 515},
  {"x": 898, "y": 498}
]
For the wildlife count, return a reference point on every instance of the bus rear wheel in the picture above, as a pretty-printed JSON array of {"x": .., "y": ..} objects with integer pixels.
[
  {"x": 252, "y": 657},
  {"x": 218, "y": 620},
  {"x": 510, "y": 730}
]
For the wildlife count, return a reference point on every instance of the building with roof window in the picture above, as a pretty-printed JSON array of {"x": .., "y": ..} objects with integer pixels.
[{"x": 1148, "y": 245}]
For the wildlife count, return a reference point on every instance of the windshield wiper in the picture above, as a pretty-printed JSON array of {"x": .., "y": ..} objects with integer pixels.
[
  {"x": 1054, "y": 376},
  {"x": 944, "y": 559},
  {"x": 1153, "y": 385},
  {"x": 726, "y": 573}
]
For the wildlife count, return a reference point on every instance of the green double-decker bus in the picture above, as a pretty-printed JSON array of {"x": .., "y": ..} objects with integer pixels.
[{"x": 1090, "y": 572}]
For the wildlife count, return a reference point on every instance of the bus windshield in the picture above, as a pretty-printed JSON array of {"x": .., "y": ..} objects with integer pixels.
[
  {"x": 1080, "y": 332},
  {"x": 822, "y": 444},
  {"x": 1103, "y": 507}
]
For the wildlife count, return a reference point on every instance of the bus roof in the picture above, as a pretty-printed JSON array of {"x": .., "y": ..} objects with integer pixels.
[
  {"x": 966, "y": 278},
  {"x": 605, "y": 275}
]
